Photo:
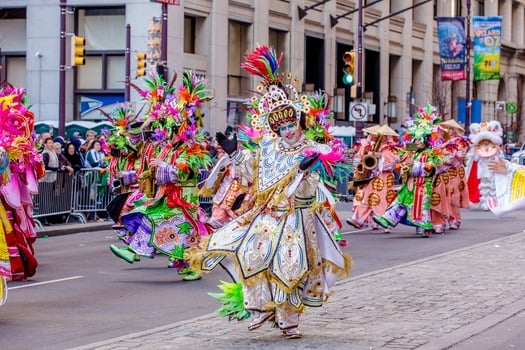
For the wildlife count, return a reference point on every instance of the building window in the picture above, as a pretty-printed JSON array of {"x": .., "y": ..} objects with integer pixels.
[
  {"x": 238, "y": 80},
  {"x": 238, "y": 46},
  {"x": 13, "y": 70},
  {"x": 278, "y": 39},
  {"x": 189, "y": 34},
  {"x": 13, "y": 43},
  {"x": 100, "y": 81}
]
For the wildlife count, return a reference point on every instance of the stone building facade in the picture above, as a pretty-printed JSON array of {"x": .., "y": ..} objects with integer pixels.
[{"x": 400, "y": 53}]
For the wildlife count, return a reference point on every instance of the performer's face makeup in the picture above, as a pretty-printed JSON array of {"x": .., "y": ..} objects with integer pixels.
[{"x": 290, "y": 133}]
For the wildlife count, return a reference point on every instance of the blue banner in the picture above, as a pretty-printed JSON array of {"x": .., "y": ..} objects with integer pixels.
[{"x": 452, "y": 42}]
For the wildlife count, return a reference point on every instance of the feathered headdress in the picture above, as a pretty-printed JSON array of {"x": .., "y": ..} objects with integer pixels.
[
  {"x": 122, "y": 119},
  {"x": 174, "y": 110},
  {"x": 16, "y": 130},
  {"x": 278, "y": 102},
  {"x": 316, "y": 124},
  {"x": 422, "y": 125}
]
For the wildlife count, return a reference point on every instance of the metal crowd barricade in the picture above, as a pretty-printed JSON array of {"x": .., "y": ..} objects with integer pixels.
[
  {"x": 91, "y": 192},
  {"x": 55, "y": 193}
]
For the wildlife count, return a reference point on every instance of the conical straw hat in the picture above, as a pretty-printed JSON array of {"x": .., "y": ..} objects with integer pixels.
[
  {"x": 452, "y": 123},
  {"x": 372, "y": 129},
  {"x": 387, "y": 131}
]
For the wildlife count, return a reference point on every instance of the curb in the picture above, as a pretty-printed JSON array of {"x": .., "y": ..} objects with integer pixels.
[{"x": 66, "y": 229}]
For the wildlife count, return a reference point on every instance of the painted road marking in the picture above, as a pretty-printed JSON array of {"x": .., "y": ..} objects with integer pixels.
[{"x": 46, "y": 282}]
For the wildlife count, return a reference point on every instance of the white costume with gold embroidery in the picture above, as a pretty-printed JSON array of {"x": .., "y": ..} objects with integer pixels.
[{"x": 285, "y": 254}]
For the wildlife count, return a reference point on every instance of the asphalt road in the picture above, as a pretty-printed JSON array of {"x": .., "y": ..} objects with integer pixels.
[{"x": 82, "y": 293}]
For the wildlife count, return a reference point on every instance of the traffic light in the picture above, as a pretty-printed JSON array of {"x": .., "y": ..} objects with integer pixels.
[
  {"x": 77, "y": 50},
  {"x": 141, "y": 64},
  {"x": 348, "y": 68}
]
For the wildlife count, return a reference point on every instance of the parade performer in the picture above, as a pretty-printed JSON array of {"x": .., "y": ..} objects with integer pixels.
[
  {"x": 377, "y": 190},
  {"x": 486, "y": 139},
  {"x": 229, "y": 183},
  {"x": 284, "y": 255},
  {"x": 418, "y": 167},
  {"x": 125, "y": 144},
  {"x": 167, "y": 220},
  {"x": 457, "y": 186},
  {"x": 20, "y": 167},
  {"x": 316, "y": 128},
  {"x": 510, "y": 192},
  {"x": 440, "y": 202}
]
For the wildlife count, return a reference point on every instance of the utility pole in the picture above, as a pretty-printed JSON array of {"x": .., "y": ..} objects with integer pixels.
[
  {"x": 468, "y": 103},
  {"x": 164, "y": 41},
  {"x": 127, "y": 63},
  {"x": 360, "y": 28},
  {"x": 62, "y": 77}
]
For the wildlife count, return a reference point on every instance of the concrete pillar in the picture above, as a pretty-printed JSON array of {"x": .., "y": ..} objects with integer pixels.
[
  {"x": 297, "y": 42},
  {"x": 330, "y": 48},
  {"x": 506, "y": 25},
  {"x": 218, "y": 70}
]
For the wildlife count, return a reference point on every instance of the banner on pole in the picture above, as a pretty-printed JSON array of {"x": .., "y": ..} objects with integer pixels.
[
  {"x": 452, "y": 42},
  {"x": 487, "y": 47}
]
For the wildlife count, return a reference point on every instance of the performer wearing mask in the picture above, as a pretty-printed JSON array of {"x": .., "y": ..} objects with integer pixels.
[{"x": 285, "y": 256}]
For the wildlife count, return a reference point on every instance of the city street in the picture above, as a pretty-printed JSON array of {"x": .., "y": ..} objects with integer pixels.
[{"x": 82, "y": 294}]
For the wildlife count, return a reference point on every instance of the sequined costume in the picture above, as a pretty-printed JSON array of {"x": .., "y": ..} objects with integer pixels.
[
  {"x": 167, "y": 219},
  {"x": 418, "y": 167},
  {"x": 284, "y": 254}
]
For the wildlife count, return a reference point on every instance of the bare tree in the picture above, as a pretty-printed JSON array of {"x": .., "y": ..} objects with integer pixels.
[{"x": 439, "y": 96}]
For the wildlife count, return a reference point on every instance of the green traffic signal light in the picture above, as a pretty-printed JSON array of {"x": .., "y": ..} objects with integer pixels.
[{"x": 348, "y": 79}]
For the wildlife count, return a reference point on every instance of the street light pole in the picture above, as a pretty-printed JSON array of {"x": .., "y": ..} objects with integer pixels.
[
  {"x": 468, "y": 103},
  {"x": 127, "y": 63},
  {"x": 359, "y": 86},
  {"x": 164, "y": 41},
  {"x": 62, "y": 76}
]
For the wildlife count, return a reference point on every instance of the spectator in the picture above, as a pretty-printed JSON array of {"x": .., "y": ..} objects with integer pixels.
[
  {"x": 74, "y": 157},
  {"x": 95, "y": 156},
  {"x": 41, "y": 140},
  {"x": 60, "y": 140},
  {"x": 91, "y": 135},
  {"x": 50, "y": 160},
  {"x": 63, "y": 162}
]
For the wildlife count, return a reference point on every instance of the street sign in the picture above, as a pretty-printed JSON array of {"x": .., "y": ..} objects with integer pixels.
[
  {"x": 511, "y": 107},
  {"x": 358, "y": 111}
]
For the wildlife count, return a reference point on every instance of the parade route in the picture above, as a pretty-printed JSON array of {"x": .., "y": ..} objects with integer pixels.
[{"x": 431, "y": 303}]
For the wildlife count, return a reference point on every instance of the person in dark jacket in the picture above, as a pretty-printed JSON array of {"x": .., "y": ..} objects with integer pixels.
[{"x": 73, "y": 156}]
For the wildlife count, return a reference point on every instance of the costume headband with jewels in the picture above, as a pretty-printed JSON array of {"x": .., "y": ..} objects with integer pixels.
[{"x": 278, "y": 102}]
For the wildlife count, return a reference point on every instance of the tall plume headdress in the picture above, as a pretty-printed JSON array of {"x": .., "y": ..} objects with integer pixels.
[{"x": 277, "y": 101}]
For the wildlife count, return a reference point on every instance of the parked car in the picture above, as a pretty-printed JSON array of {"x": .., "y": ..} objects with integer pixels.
[{"x": 519, "y": 155}]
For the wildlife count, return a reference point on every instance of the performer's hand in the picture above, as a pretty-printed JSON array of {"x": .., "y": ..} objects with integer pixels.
[
  {"x": 497, "y": 166},
  {"x": 307, "y": 162},
  {"x": 229, "y": 146},
  {"x": 238, "y": 201},
  {"x": 154, "y": 162}
]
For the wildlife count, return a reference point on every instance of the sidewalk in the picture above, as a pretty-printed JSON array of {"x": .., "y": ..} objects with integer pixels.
[
  {"x": 427, "y": 304},
  {"x": 69, "y": 228}
]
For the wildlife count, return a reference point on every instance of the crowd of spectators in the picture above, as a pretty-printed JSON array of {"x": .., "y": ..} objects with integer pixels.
[{"x": 69, "y": 156}]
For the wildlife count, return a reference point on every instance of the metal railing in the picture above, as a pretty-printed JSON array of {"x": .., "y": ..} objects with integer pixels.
[{"x": 78, "y": 195}]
